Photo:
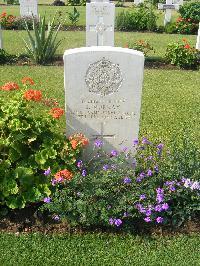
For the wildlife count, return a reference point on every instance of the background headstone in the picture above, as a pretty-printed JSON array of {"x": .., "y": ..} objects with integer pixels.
[
  {"x": 137, "y": 2},
  {"x": 100, "y": 23},
  {"x": 179, "y": 2},
  {"x": 1, "y": 38},
  {"x": 168, "y": 7},
  {"x": 198, "y": 39},
  {"x": 28, "y": 8},
  {"x": 103, "y": 97}
]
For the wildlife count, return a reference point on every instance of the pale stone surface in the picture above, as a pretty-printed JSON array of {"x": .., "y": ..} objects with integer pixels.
[
  {"x": 100, "y": 23},
  {"x": 28, "y": 8},
  {"x": 1, "y": 38},
  {"x": 168, "y": 7},
  {"x": 180, "y": 2},
  {"x": 137, "y": 2},
  {"x": 103, "y": 88},
  {"x": 198, "y": 39}
]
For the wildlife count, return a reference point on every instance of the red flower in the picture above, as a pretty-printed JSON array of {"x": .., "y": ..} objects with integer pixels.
[
  {"x": 3, "y": 15},
  {"x": 56, "y": 112},
  {"x": 10, "y": 86},
  {"x": 63, "y": 174},
  {"x": 28, "y": 81},
  {"x": 33, "y": 95},
  {"x": 78, "y": 140},
  {"x": 187, "y": 46}
]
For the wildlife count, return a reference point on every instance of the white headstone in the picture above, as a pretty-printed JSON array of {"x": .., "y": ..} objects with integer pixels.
[
  {"x": 28, "y": 8},
  {"x": 137, "y": 2},
  {"x": 198, "y": 39},
  {"x": 103, "y": 96},
  {"x": 100, "y": 23},
  {"x": 1, "y": 38},
  {"x": 179, "y": 2},
  {"x": 168, "y": 7}
]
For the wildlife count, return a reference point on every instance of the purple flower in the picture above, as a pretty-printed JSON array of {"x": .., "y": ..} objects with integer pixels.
[
  {"x": 127, "y": 180},
  {"x": 145, "y": 141},
  {"x": 105, "y": 167},
  {"x": 47, "y": 172},
  {"x": 109, "y": 207},
  {"x": 56, "y": 217},
  {"x": 111, "y": 221},
  {"x": 159, "y": 220},
  {"x": 118, "y": 222},
  {"x": 165, "y": 206},
  {"x": 114, "y": 153},
  {"x": 160, "y": 195},
  {"x": 187, "y": 183},
  {"x": 195, "y": 185},
  {"x": 149, "y": 172},
  {"x": 126, "y": 214},
  {"x": 172, "y": 188},
  {"x": 84, "y": 173},
  {"x": 158, "y": 208},
  {"x": 148, "y": 212},
  {"x": 79, "y": 164},
  {"x": 98, "y": 143},
  {"x": 78, "y": 194},
  {"x": 160, "y": 146},
  {"x": 147, "y": 219},
  {"x": 142, "y": 197},
  {"x": 47, "y": 200},
  {"x": 156, "y": 169},
  {"x": 135, "y": 142},
  {"x": 150, "y": 158},
  {"x": 125, "y": 149}
]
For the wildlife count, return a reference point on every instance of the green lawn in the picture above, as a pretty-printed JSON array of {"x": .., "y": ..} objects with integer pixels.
[
  {"x": 170, "y": 97},
  {"x": 13, "y": 40},
  {"x": 50, "y": 11},
  {"x": 99, "y": 249}
]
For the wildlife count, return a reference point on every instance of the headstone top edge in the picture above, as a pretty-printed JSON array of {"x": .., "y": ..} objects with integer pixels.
[{"x": 103, "y": 49}]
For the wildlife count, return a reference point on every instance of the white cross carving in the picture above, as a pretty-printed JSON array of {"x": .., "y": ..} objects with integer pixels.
[
  {"x": 100, "y": 28},
  {"x": 101, "y": 136}
]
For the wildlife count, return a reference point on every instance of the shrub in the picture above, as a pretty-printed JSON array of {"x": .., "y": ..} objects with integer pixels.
[
  {"x": 76, "y": 2},
  {"x": 31, "y": 145},
  {"x": 190, "y": 11},
  {"x": 7, "y": 21},
  {"x": 188, "y": 22},
  {"x": 186, "y": 26},
  {"x": 120, "y": 188},
  {"x": 142, "y": 46},
  {"x": 141, "y": 18},
  {"x": 5, "y": 57},
  {"x": 74, "y": 16},
  {"x": 182, "y": 55},
  {"x": 58, "y": 3},
  {"x": 171, "y": 27},
  {"x": 42, "y": 47}
]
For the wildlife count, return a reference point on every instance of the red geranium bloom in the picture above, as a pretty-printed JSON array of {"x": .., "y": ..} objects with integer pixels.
[
  {"x": 10, "y": 86},
  {"x": 28, "y": 81},
  {"x": 187, "y": 46},
  {"x": 33, "y": 95},
  {"x": 56, "y": 112}
]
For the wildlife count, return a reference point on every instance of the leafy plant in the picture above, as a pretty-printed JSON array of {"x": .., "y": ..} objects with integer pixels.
[
  {"x": 74, "y": 16},
  {"x": 142, "y": 18},
  {"x": 31, "y": 145},
  {"x": 42, "y": 47},
  {"x": 190, "y": 11},
  {"x": 7, "y": 21},
  {"x": 156, "y": 185},
  {"x": 76, "y": 2},
  {"x": 5, "y": 57},
  {"x": 182, "y": 55},
  {"x": 142, "y": 46}
]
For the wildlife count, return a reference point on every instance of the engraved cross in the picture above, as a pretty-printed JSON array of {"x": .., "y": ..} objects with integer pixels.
[
  {"x": 100, "y": 28},
  {"x": 101, "y": 136}
]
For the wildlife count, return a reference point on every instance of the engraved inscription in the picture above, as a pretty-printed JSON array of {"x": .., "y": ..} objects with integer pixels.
[
  {"x": 102, "y": 110},
  {"x": 100, "y": 10},
  {"x": 103, "y": 77}
]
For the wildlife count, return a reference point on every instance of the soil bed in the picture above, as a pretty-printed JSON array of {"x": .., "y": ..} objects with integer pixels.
[{"x": 29, "y": 220}]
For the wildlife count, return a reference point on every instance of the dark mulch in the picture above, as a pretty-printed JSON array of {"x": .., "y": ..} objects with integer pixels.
[{"x": 30, "y": 220}]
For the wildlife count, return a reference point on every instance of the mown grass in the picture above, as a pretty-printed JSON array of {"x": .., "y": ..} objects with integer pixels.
[
  {"x": 170, "y": 100},
  {"x": 62, "y": 10},
  {"x": 13, "y": 40},
  {"x": 99, "y": 249}
]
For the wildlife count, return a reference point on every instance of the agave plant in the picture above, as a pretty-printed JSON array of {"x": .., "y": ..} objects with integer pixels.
[{"x": 42, "y": 45}]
